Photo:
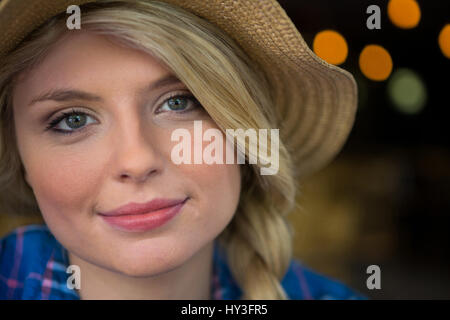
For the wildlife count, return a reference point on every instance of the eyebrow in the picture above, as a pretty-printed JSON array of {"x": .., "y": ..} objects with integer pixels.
[{"x": 67, "y": 94}]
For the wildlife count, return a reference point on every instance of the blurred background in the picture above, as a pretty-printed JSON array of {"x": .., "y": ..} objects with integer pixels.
[{"x": 385, "y": 200}]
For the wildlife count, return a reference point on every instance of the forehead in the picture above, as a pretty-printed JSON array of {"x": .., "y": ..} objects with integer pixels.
[{"x": 84, "y": 59}]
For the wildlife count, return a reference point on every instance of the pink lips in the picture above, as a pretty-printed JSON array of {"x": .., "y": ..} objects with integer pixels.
[{"x": 137, "y": 217}]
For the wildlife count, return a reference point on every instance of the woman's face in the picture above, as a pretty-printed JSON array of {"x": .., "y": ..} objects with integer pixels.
[{"x": 116, "y": 150}]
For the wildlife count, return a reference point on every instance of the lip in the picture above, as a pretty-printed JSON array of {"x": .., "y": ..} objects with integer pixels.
[{"x": 138, "y": 217}]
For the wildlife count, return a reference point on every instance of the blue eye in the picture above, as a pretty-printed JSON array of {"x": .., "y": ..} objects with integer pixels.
[
  {"x": 74, "y": 121},
  {"x": 179, "y": 103},
  {"x": 69, "y": 122}
]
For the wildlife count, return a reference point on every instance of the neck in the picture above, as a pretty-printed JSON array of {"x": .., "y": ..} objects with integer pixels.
[{"x": 192, "y": 280}]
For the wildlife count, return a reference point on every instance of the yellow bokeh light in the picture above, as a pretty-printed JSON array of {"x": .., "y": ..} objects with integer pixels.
[
  {"x": 331, "y": 47},
  {"x": 375, "y": 62},
  {"x": 444, "y": 40},
  {"x": 404, "y": 14}
]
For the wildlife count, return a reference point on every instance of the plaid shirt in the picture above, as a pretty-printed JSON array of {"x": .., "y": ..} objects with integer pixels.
[{"x": 33, "y": 266}]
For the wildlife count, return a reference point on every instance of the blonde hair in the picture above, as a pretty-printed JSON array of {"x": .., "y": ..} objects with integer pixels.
[{"x": 230, "y": 86}]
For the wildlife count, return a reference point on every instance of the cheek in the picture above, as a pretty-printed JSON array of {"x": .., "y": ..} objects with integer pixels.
[
  {"x": 217, "y": 180},
  {"x": 217, "y": 186},
  {"x": 222, "y": 187},
  {"x": 215, "y": 192},
  {"x": 61, "y": 182},
  {"x": 214, "y": 200}
]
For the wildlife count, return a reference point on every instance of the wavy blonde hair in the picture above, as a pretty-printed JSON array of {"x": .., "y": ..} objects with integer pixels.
[{"x": 230, "y": 86}]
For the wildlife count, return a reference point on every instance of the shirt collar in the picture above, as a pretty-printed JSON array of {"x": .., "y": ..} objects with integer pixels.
[{"x": 48, "y": 279}]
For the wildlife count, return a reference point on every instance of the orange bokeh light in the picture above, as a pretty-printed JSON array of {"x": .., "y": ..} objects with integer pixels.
[
  {"x": 375, "y": 62},
  {"x": 404, "y": 14},
  {"x": 444, "y": 40},
  {"x": 331, "y": 47}
]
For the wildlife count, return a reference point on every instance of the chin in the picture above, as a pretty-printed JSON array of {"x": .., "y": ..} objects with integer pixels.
[{"x": 147, "y": 265}]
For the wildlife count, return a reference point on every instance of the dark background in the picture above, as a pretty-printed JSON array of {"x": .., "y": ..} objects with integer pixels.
[{"x": 385, "y": 200}]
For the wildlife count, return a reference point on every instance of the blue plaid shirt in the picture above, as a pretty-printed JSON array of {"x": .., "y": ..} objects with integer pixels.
[{"x": 33, "y": 266}]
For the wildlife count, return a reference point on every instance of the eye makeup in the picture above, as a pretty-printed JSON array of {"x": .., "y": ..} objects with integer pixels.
[{"x": 173, "y": 108}]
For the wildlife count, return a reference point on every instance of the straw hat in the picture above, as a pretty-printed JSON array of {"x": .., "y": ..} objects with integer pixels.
[{"x": 316, "y": 101}]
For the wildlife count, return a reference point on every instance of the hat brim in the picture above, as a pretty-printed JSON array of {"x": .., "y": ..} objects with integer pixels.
[{"x": 316, "y": 102}]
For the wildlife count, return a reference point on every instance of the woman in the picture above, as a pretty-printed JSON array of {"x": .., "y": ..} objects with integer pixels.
[{"x": 88, "y": 119}]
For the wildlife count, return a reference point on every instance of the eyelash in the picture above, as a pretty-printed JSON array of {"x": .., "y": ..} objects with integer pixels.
[{"x": 53, "y": 123}]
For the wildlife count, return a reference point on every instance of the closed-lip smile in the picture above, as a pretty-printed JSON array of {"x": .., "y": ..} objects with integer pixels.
[
  {"x": 138, "y": 217},
  {"x": 140, "y": 208}
]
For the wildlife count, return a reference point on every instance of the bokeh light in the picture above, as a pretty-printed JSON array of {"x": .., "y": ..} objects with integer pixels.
[
  {"x": 375, "y": 62},
  {"x": 404, "y": 14},
  {"x": 407, "y": 91},
  {"x": 444, "y": 40},
  {"x": 331, "y": 46}
]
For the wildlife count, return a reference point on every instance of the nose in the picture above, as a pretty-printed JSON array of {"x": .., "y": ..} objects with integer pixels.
[{"x": 137, "y": 155}]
